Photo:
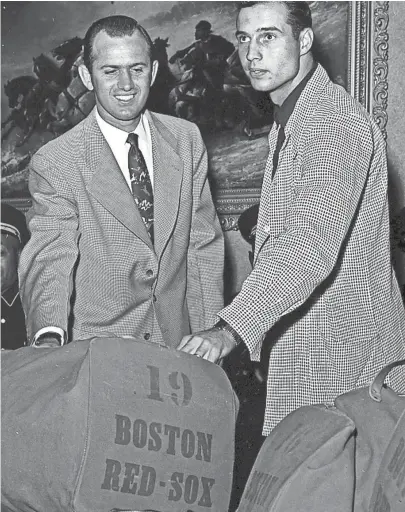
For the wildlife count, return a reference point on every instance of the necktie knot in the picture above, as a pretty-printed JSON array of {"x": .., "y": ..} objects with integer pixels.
[{"x": 133, "y": 139}]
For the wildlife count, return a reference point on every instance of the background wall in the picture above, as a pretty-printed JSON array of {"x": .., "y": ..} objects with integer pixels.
[{"x": 396, "y": 118}]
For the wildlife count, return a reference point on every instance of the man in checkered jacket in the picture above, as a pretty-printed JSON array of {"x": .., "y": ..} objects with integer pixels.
[
  {"x": 92, "y": 266},
  {"x": 322, "y": 287}
]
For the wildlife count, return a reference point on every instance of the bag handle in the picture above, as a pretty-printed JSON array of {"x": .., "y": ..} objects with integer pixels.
[{"x": 378, "y": 382}]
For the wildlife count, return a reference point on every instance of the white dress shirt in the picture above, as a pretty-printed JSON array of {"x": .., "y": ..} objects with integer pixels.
[{"x": 117, "y": 140}]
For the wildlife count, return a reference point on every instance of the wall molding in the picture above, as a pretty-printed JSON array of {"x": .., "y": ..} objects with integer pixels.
[{"x": 380, "y": 66}]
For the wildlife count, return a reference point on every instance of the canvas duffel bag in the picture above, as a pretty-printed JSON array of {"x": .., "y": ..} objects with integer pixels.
[
  {"x": 115, "y": 424},
  {"x": 346, "y": 458}
]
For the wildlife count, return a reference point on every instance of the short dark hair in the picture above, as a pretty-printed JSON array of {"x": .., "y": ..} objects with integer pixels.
[
  {"x": 204, "y": 25},
  {"x": 298, "y": 14},
  {"x": 114, "y": 26}
]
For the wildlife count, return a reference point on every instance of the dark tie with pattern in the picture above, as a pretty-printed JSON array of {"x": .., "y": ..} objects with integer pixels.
[
  {"x": 140, "y": 182},
  {"x": 279, "y": 144}
]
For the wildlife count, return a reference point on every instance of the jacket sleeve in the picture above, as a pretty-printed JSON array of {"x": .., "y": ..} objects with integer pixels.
[
  {"x": 48, "y": 260},
  {"x": 335, "y": 164},
  {"x": 205, "y": 261}
]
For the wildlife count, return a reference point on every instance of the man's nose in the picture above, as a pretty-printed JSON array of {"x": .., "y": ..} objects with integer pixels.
[
  {"x": 125, "y": 81},
  {"x": 253, "y": 51}
]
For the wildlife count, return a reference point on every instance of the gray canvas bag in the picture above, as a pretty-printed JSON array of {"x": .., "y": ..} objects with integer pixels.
[
  {"x": 115, "y": 424},
  {"x": 346, "y": 458}
]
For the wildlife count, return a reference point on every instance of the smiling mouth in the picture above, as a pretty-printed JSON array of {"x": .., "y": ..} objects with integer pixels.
[{"x": 125, "y": 99}]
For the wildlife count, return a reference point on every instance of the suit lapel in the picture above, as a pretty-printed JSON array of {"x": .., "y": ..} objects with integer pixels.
[
  {"x": 107, "y": 183},
  {"x": 168, "y": 176},
  {"x": 307, "y": 103},
  {"x": 270, "y": 213}
]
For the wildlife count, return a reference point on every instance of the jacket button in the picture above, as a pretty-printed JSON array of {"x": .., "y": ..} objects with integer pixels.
[
  {"x": 149, "y": 273},
  {"x": 146, "y": 336}
]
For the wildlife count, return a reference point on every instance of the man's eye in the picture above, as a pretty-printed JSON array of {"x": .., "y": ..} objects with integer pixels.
[
  {"x": 109, "y": 71},
  {"x": 268, "y": 37},
  {"x": 137, "y": 70},
  {"x": 243, "y": 39}
]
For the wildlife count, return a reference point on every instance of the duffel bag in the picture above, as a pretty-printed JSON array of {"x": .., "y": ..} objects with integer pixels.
[
  {"x": 346, "y": 458},
  {"x": 115, "y": 424}
]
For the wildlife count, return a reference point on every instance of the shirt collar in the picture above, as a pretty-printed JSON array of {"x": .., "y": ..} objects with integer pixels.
[
  {"x": 10, "y": 295},
  {"x": 283, "y": 112},
  {"x": 113, "y": 134}
]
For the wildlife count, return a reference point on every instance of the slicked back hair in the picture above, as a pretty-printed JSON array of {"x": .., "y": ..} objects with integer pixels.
[
  {"x": 298, "y": 14},
  {"x": 114, "y": 26}
]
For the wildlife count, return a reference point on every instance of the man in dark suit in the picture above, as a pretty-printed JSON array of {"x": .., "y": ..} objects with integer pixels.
[
  {"x": 125, "y": 238},
  {"x": 322, "y": 287},
  {"x": 14, "y": 235}
]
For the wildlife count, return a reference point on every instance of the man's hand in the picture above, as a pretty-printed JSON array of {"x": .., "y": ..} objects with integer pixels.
[{"x": 211, "y": 345}]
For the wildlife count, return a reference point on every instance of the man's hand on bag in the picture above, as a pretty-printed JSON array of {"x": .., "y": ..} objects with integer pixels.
[{"x": 212, "y": 345}]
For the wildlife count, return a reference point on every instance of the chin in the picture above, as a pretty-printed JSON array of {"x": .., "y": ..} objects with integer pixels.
[
  {"x": 261, "y": 85},
  {"x": 126, "y": 113}
]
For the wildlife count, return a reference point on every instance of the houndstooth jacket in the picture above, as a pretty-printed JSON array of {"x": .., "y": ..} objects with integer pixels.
[
  {"x": 322, "y": 286},
  {"x": 90, "y": 260}
]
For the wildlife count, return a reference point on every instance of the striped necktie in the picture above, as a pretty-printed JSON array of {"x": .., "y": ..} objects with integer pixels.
[{"x": 140, "y": 183}]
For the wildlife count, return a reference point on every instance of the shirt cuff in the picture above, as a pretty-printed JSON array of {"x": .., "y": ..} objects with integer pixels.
[
  {"x": 224, "y": 326},
  {"x": 50, "y": 330}
]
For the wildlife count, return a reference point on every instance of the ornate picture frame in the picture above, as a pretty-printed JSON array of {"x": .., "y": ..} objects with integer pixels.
[{"x": 367, "y": 82}]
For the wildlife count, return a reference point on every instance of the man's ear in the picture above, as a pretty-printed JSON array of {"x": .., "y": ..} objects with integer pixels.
[
  {"x": 306, "y": 40},
  {"x": 155, "y": 67},
  {"x": 86, "y": 77}
]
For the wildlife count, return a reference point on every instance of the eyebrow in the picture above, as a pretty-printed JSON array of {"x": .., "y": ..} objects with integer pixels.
[
  {"x": 261, "y": 29},
  {"x": 116, "y": 66}
]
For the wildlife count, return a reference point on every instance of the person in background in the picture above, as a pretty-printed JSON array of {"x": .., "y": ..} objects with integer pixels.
[
  {"x": 214, "y": 51},
  {"x": 125, "y": 240},
  {"x": 14, "y": 235},
  {"x": 211, "y": 52},
  {"x": 322, "y": 287}
]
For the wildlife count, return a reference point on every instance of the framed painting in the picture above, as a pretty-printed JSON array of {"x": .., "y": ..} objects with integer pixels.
[{"x": 42, "y": 96}]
